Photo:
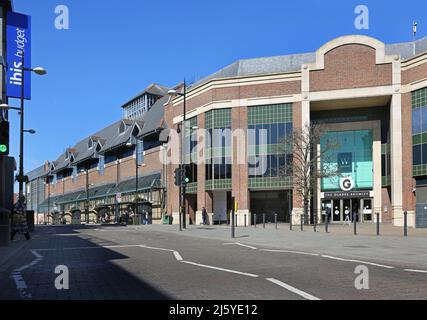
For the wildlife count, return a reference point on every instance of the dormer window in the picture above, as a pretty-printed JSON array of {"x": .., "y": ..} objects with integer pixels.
[
  {"x": 90, "y": 144},
  {"x": 122, "y": 128},
  {"x": 135, "y": 131}
]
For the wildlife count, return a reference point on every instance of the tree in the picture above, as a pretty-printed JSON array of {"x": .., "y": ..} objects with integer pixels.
[{"x": 308, "y": 163}]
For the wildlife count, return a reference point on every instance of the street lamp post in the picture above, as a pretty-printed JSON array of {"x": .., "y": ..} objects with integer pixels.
[
  {"x": 40, "y": 71},
  {"x": 86, "y": 170},
  {"x": 48, "y": 198},
  {"x": 137, "y": 166}
]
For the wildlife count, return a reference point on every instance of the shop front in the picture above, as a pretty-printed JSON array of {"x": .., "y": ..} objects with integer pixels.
[{"x": 351, "y": 193}]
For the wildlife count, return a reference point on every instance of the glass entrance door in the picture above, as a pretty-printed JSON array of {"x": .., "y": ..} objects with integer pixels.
[{"x": 337, "y": 211}]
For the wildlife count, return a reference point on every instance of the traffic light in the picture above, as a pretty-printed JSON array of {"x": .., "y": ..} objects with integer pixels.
[
  {"x": 187, "y": 174},
  {"x": 4, "y": 138},
  {"x": 178, "y": 177}
]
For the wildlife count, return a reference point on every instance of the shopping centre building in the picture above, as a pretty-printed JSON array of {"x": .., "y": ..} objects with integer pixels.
[{"x": 369, "y": 96}]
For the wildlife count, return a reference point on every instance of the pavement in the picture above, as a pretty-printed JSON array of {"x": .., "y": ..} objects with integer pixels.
[{"x": 203, "y": 263}]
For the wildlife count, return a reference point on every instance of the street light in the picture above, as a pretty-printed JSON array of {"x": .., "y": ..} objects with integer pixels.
[
  {"x": 39, "y": 71},
  {"x": 87, "y": 193},
  {"x": 137, "y": 166},
  {"x": 6, "y": 107},
  {"x": 173, "y": 93},
  {"x": 21, "y": 178},
  {"x": 48, "y": 177}
]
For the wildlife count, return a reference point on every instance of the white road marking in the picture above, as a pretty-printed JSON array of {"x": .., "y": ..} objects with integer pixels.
[
  {"x": 177, "y": 256},
  {"x": 303, "y": 294},
  {"x": 222, "y": 269},
  {"x": 240, "y": 244},
  {"x": 154, "y": 248},
  {"x": 358, "y": 261},
  {"x": 17, "y": 277},
  {"x": 417, "y": 271},
  {"x": 294, "y": 252}
]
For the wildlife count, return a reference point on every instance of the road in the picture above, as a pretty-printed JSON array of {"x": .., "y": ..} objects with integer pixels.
[{"x": 137, "y": 263}]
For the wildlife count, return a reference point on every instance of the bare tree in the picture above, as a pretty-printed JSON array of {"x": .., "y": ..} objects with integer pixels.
[{"x": 308, "y": 163}]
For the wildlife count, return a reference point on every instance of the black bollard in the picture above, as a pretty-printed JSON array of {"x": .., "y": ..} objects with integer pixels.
[
  {"x": 355, "y": 223},
  {"x": 255, "y": 220},
  {"x": 276, "y": 220},
  {"x": 405, "y": 223},
  {"x": 327, "y": 224},
  {"x": 263, "y": 220}
]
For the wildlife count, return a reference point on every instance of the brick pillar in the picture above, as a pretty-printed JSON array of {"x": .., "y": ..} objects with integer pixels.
[
  {"x": 240, "y": 185},
  {"x": 201, "y": 172},
  {"x": 409, "y": 183}
]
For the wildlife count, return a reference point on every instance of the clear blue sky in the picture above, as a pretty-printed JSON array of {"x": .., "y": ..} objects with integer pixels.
[{"x": 114, "y": 49}]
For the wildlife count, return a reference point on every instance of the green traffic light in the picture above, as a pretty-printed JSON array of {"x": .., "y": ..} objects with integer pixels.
[
  {"x": 187, "y": 180},
  {"x": 3, "y": 148}
]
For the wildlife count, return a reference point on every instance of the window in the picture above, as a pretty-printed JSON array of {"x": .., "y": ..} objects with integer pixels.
[
  {"x": 140, "y": 152},
  {"x": 272, "y": 123},
  {"x": 419, "y": 130},
  {"x": 74, "y": 174},
  {"x": 101, "y": 165},
  {"x": 218, "y": 144},
  {"x": 137, "y": 107},
  {"x": 122, "y": 128},
  {"x": 417, "y": 155}
]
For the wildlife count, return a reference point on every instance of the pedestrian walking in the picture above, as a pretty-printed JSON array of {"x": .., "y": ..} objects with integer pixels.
[
  {"x": 204, "y": 216},
  {"x": 19, "y": 219}
]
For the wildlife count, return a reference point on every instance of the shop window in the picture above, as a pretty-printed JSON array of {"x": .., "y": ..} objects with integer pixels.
[{"x": 417, "y": 155}]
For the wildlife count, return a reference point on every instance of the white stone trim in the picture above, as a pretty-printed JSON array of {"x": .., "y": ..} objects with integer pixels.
[
  {"x": 352, "y": 93},
  {"x": 237, "y": 82},
  {"x": 416, "y": 85},
  {"x": 414, "y": 62},
  {"x": 351, "y": 39}
]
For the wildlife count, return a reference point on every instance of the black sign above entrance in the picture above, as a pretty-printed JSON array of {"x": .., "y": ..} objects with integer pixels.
[{"x": 347, "y": 195}]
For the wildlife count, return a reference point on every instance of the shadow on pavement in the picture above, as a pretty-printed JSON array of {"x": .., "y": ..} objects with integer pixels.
[{"x": 94, "y": 270}]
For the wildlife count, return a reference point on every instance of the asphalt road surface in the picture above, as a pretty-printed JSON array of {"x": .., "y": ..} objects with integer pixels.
[{"x": 130, "y": 263}]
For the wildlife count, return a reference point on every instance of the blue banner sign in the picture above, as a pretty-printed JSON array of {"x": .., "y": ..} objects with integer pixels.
[{"x": 18, "y": 35}]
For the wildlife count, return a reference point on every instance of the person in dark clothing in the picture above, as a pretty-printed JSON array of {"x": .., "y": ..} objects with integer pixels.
[
  {"x": 19, "y": 219},
  {"x": 204, "y": 216}
]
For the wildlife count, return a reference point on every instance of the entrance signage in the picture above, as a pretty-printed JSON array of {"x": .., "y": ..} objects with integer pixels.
[
  {"x": 18, "y": 31},
  {"x": 347, "y": 184},
  {"x": 345, "y": 162},
  {"x": 347, "y": 195}
]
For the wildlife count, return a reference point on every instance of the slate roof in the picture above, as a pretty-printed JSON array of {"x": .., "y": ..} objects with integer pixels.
[
  {"x": 293, "y": 62},
  {"x": 154, "y": 89},
  {"x": 154, "y": 117}
]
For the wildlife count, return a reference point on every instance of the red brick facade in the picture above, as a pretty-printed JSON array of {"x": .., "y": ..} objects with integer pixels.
[{"x": 350, "y": 66}]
